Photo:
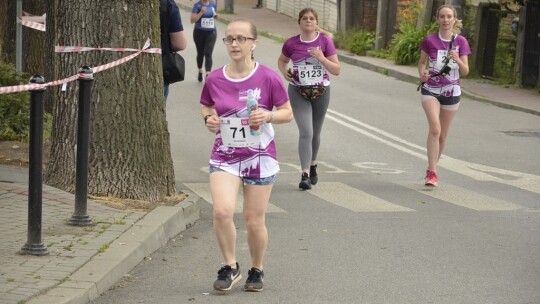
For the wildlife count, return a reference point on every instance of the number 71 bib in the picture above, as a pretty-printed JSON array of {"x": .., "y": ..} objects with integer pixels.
[{"x": 235, "y": 132}]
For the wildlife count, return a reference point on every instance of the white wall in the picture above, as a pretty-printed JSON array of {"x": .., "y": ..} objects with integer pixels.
[{"x": 327, "y": 10}]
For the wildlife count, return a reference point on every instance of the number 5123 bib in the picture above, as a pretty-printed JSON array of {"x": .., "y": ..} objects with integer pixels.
[{"x": 310, "y": 74}]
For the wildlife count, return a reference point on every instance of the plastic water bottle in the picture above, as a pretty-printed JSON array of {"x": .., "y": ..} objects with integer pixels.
[{"x": 252, "y": 105}]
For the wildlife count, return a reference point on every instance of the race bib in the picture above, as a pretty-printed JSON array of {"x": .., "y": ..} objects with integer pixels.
[
  {"x": 442, "y": 56},
  {"x": 310, "y": 74},
  {"x": 207, "y": 23},
  {"x": 235, "y": 132}
]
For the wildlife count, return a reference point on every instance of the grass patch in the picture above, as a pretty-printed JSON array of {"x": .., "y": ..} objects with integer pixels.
[{"x": 103, "y": 248}]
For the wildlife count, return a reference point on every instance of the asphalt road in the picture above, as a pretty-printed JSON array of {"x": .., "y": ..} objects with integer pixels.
[{"x": 369, "y": 232}]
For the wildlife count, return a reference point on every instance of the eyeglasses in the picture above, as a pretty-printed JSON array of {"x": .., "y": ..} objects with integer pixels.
[{"x": 239, "y": 40}]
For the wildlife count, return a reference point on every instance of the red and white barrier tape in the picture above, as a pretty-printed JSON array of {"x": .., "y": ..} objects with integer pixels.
[
  {"x": 34, "y": 18},
  {"x": 34, "y": 25},
  {"x": 34, "y": 86},
  {"x": 78, "y": 49},
  {"x": 31, "y": 21},
  {"x": 121, "y": 60},
  {"x": 29, "y": 87}
]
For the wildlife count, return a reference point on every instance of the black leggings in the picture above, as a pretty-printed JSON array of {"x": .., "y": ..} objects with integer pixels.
[{"x": 204, "y": 42}]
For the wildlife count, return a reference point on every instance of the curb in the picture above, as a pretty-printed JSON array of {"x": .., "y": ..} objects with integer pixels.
[
  {"x": 105, "y": 269},
  {"x": 389, "y": 70},
  {"x": 469, "y": 94},
  {"x": 350, "y": 59}
]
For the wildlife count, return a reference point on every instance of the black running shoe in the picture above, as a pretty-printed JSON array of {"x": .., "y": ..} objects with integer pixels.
[
  {"x": 254, "y": 281},
  {"x": 313, "y": 174},
  {"x": 227, "y": 277},
  {"x": 199, "y": 77},
  {"x": 305, "y": 183}
]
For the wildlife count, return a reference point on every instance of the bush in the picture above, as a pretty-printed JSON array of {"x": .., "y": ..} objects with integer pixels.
[
  {"x": 405, "y": 46},
  {"x": 356, "y": 41},
  {"x": 361, "y": 42},
  {"x": 15, "y": 108},
  {"x": 504, "y": 61},
  {"x": 384, "y": 54}
]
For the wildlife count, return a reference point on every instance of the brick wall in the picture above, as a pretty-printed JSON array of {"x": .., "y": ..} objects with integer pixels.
[{"x": 370, "y": 15}]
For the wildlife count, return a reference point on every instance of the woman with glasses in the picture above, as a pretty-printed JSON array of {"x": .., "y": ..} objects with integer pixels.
[
  {"x": 447, "y": 53},
  {"x": 204, "y": 15},
  {"x": 313, "y": 57},
  {"x": 240, "y": 158}
]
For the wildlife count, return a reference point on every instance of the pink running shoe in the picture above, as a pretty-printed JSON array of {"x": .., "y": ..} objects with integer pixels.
[{"x": 431, "y": 178}]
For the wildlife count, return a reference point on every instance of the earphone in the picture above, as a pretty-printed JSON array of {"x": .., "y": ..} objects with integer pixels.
[{"x": 253, "y": 47}]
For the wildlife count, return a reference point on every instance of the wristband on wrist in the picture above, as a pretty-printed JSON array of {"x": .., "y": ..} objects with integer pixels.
[{"x": 271, "y": 117}]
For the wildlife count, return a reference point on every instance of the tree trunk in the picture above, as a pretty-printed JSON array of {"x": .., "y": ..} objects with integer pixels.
[
  {"x": 51, "y": 72},
  {"x": 8, "y": 30},
  {"x": 229, "y": 6},
  {"x": 129, "y": 153},
  {"x": 520, "y": 45},
  {"x": 33, "y": 40}
]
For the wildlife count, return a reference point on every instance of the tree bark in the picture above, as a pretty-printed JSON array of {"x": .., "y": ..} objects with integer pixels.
[
  {"x": 129, "y": 153},
  {"x": 33, "y": 41},
  {"x": 51, "y": 72},
  {"x": 229, "y": 6},
  {"x": 8, "y": 31}
]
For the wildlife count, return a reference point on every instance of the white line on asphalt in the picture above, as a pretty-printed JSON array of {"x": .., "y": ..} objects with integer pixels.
[
  {"x": 464, "y": 198},
  {"x": 353, "y": 199},
  {"x": 333, "y": 169},
  {"x": 525, "y": 181}
]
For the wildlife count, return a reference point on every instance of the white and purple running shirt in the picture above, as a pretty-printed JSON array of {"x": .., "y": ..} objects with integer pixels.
[
  {"x": 437, "y": 50},
  {"x": 308, "y": 70},
  {"x": 228, "y": 96}
]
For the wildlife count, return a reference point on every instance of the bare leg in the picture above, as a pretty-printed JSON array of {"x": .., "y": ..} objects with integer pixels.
[
  {"x": 432, "y": 108},
  {"x": 256, "y": 199},
  {"x": 224, "y": 188},
  {"x": 445, "y": 118}
]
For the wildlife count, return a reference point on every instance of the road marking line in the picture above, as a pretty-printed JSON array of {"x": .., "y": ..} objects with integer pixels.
[
  {"x": 203, "y": 190},
  {"x": 480, "y": 172},
  {"x": 463, "y": 197},
  {"x": 353, "y": 199},
  {"x": 322, "y": 167}
]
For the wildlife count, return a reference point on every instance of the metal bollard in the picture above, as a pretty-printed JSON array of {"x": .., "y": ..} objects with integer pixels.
[
  {"x": 34, "y": 246},
  {"x": 80, "y": 217}
]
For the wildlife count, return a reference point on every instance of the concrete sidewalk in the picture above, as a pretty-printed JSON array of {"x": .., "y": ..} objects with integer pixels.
[
  {"x": 481, "y": 90},
  {"x": 82, "y": 262},
  {"x": 281, "y": 26}
]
